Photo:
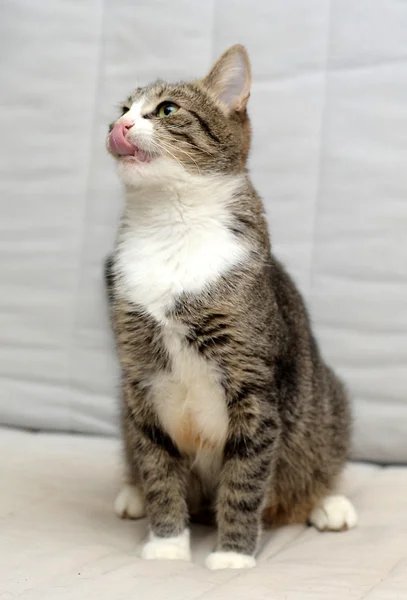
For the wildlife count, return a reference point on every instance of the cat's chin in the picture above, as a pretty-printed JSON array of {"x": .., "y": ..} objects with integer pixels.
[
  {"x": 132, "y": 168},
  {"x": 140, "y": 157},
  {"x": 157, "y": 169}
]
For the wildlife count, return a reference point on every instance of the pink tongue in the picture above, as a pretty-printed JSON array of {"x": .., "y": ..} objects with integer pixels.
[{"x": 118, "y": 143}]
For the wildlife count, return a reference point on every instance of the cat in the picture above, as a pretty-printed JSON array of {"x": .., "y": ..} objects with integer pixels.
[{"x": 227, "y": 406}]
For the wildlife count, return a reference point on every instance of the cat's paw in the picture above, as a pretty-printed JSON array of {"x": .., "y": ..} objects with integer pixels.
[
  {"x": 174, "y": 548},
  {"x": 230, "y": 560},
  {"x": 335, "y": 513},
  {"x": 129, "y": 503}
]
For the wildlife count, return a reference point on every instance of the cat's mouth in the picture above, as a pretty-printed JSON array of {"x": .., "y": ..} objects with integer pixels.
[
  {"x": 133, "y": 154},
  {"x": 124, "y": 149},
  {"x": 139, "y": 156}
]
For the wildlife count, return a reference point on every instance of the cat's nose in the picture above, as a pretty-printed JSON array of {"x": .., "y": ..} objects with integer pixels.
[
  {"x": 118, "y": 144},
  {"x": 127, "y": 124}
]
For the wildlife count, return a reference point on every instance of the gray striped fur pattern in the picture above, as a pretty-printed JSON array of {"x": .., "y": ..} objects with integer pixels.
[{"x": 229, "y": 412}]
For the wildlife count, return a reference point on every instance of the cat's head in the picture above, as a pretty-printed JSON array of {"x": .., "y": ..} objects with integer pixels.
[{"x": 197, "y": 127}]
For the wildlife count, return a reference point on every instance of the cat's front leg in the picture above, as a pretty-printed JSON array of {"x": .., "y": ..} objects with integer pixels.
[
  {"x": 244, "y": 483},
  {"x": 163, "y": 475}
]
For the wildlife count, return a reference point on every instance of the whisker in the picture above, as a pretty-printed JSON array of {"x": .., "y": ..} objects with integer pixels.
[
  {"x": 170, "y": 143},
  {"x": 166, "y": 144},
  {"x": 193, "y": 145},
  {"x": 164, "y": 147},
  {"x": 168, "y": 147}
]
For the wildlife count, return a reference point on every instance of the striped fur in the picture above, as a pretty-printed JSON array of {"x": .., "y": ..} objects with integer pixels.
[{"x": 228, "y": 407}]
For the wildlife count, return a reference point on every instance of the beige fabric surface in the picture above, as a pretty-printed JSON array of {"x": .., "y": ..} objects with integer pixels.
[{"x": 59, "y": 538}]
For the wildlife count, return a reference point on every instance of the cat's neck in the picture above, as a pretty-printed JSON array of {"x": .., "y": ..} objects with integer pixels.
[
  {"x": 177, "y": 238},
  {"x": 179, "y": 197}
]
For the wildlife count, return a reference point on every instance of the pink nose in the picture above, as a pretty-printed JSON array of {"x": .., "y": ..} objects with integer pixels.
[{"x": 117, "y": 140}]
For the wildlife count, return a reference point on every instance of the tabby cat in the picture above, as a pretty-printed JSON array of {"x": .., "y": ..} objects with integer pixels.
[{"x": 228, "y": 408}]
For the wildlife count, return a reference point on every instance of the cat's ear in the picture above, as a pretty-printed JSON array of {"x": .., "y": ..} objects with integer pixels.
[{"x": 230, "y": 79}]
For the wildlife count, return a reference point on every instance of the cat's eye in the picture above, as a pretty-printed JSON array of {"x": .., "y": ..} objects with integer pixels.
[
  {"x": 125, "y": 109},
  {"x": 166, "y": 109}
]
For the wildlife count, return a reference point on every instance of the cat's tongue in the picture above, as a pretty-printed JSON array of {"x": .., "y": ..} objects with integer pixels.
[{"x": 118, "y": 143}]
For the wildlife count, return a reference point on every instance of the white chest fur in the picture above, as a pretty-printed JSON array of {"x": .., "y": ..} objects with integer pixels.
[
  {"x": 190, "y": 403},
  {"x": 175, "y": 240}
]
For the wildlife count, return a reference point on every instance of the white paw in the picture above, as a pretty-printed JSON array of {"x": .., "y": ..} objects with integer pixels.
[
  {"x": 129, "y": 503},
  {"x": 335, "y": 513},
  {"x": 230, "y": 560},
  {"x": 174, "y": 548}
]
